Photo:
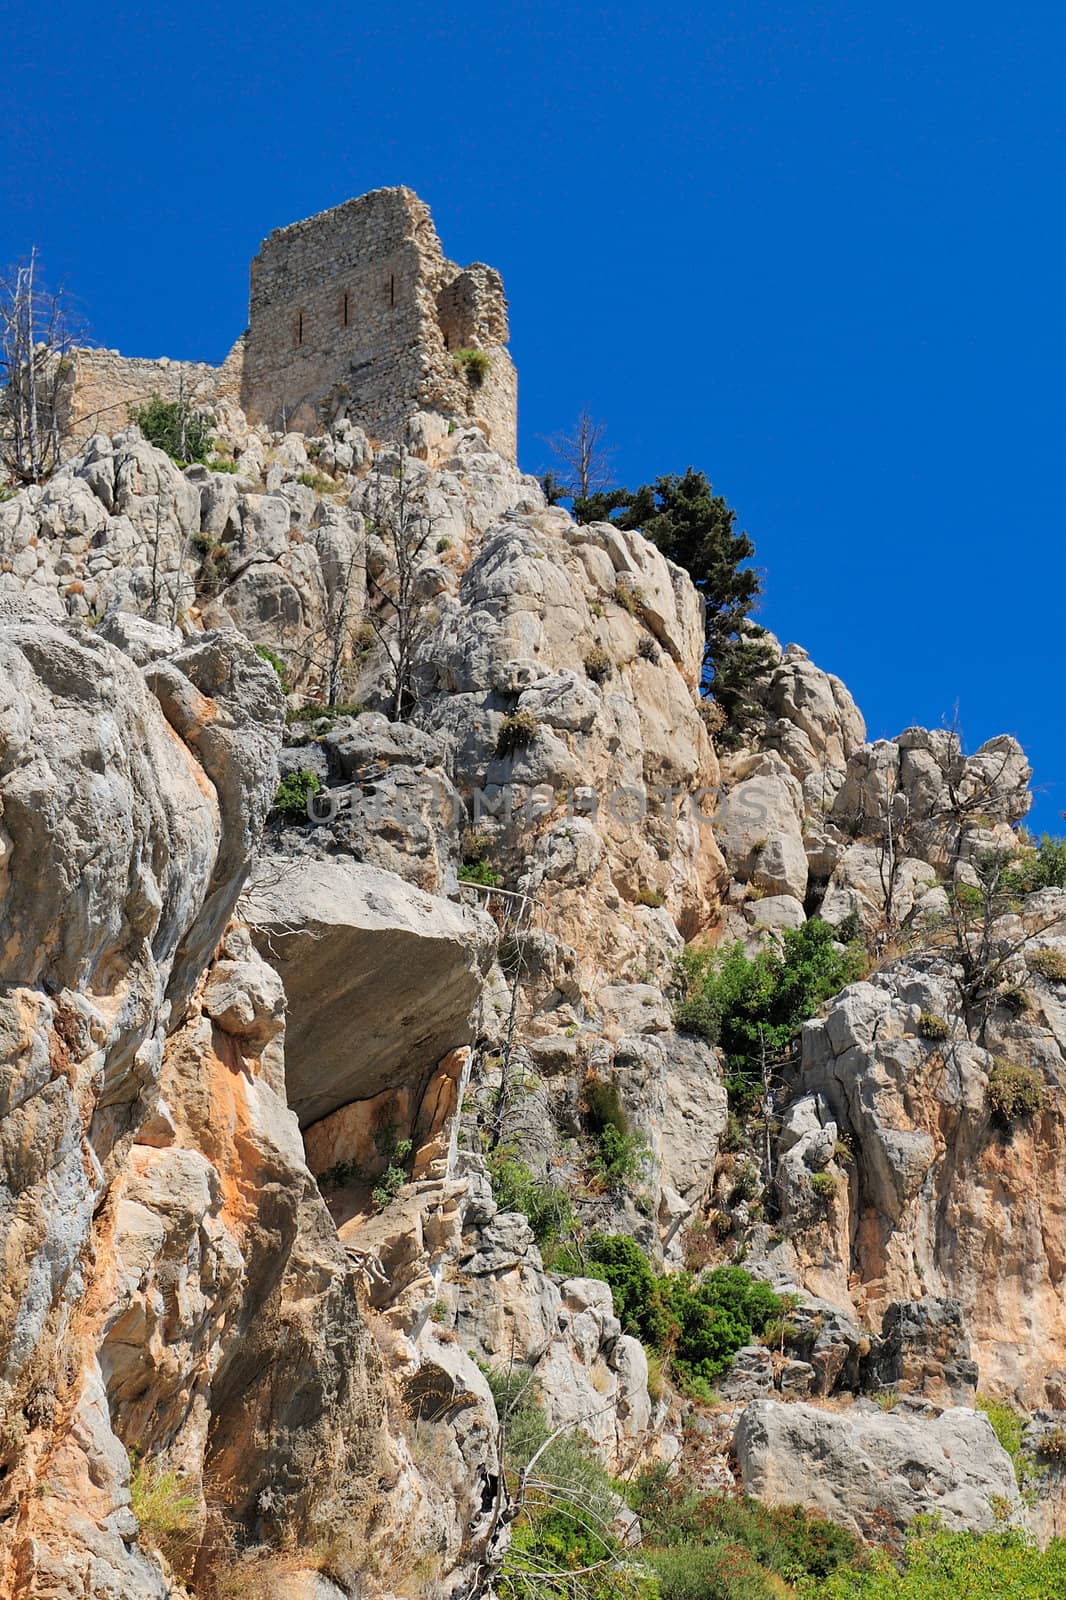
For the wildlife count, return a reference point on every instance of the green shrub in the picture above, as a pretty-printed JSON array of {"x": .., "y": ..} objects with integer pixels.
[
  {"x": 930, "y": 1026},
  {"x": 293, "y": 793},
  {"x": 708, "y": 1572},
  {"x": 936, "y": 1565},
  {"x": 651, "y": 898},
  {"x": 473, "y": 364},
  {"x": 620, "y": 1155},
  {"x": 393, "y": 1178},
  {"x": 480, "y": 872},
  {"x": 635, "y": 1289},
  {"x": 699, "y": 1324},
  {"x": 787, "y": 1542},
  {"x": 823, "y": 1186},
  {"x": 564, "y": 1525},
  {"x": 1008, "y": 1426},
  {"x": 315, "y": 711},
  {"x": 1049, "y": 964},
  {"x": 517, "y": 732},
  {"x": 340, "y": 1175},
  {"x": 545, "y": 1205},
  {"x": 630, "y": 598},
  {"x": 1015, "y": 1091},
  {"x": 598, "y": 664},
  {"x": 317, "y": 481},
  {"x": 1042, "y": 867},
  {"x": 161, "y": 423},
  {"x": 223, "y": 464},
  {"x": 751, "y": 1004},
  {"x": 277, "y": 663},
  {"x": 715, "y": 1318},
  {"x": 620, "y": 1159},
  {"x": 164, "y": 1508},
  {"x": 969, "y": 900}
]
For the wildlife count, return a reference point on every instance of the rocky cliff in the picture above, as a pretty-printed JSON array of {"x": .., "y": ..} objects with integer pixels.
[{"x": 322, "y": 987}]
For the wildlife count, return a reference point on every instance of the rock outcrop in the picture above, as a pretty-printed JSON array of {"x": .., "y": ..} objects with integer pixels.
[
  {"x": 876, "y": 1472},
  {"x": 267, "y": 1070}
]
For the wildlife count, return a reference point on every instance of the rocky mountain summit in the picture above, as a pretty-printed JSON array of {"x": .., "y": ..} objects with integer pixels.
[{"x": 380, "y": 907}]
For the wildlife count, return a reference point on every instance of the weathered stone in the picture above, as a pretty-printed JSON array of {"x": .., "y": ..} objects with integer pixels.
[
  {"x": 877, "y": 1469},
  {"x": 341, "y": 934}
]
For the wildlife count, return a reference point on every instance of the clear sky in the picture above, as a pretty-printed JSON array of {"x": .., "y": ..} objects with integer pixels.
[{"x": 813, "y": 249}]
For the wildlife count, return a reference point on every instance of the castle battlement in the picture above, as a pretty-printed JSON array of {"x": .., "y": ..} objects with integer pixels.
[{"x": 353, "y": 312}]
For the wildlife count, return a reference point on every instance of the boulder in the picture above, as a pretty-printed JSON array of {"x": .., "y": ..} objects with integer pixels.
[
  {"x": 877, "y": 1471},
  {"x": 925, "y": 1350},
  {"x": 381, "y": 978}
]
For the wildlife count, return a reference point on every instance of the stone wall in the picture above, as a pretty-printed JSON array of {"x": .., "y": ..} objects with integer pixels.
[
  {"x": 358, "y": 310},
  {"x": 352, "y": 312},
  {"x": 104, "y": 385}
]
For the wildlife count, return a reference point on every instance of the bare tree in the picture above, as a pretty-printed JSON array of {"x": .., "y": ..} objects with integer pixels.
[
  {"x": 584, "y": 456},
  {"x": 37, "y": 332},
  {"x": 397, "y": 513}
]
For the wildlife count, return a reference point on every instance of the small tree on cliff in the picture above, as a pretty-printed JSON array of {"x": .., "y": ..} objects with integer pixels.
[
  {"x": 398, "y": 515},
  {"x": 584, "y": 460},
  {"x": 37, "y": 331}
]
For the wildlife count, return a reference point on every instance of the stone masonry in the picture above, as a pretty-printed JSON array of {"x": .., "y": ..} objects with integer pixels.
[{"x": 353, "y": 312}]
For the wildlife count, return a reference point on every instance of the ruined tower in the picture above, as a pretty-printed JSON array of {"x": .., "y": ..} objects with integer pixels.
[{"x": 357, "y": 311}]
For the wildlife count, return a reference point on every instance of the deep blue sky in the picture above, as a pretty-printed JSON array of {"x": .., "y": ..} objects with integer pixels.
[{"x": 816, "y": 250}]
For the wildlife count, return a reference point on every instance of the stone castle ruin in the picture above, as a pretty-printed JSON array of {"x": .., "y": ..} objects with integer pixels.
[{"x": 354, "y": 312}]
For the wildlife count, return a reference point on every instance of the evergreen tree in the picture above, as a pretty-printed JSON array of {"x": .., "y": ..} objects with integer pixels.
[{"x": 697, "y": 529}]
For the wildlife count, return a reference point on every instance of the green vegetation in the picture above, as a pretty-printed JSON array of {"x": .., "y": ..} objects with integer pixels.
[
  {"x": 754, "y": 1006},
  {"x": 473, "y": 364},
  {"x": 823, "y": 1186},
  {"x": 1015, "y": 1092},
  {"x": 185, "y": 435},
  {"x": 480, "y": 872},
  {"x": 562, "y": 1545},
  {"x": 930, "y": 1026},
  {"x": 293, "y": 792},
  {"x": 1041, "y": 866},
  {"x": 1008, "y": 1426},
  {"x": 1049, "y": 964},
  {"x": 936, "y": 1565},
  {"x": 696, "y": 1325},
  {"x": 516, "y": 732},
  {"x": 397, "y": 1153},
  {"x": 620, "y": 1155},
  {"x": 317, "y": 481},
  {"x": 315, "y": 711},
  {"x": 165, "y": 1510},
  {"x": 277, "y": 663},
  {"x": 696, "y": 528},
  {"x": 728, "y": 1548},
  {"x": 722, "y": 1547},
  {"x": 223, "y": 464},
  {"x": 598, "y": 664},
  {"x": 630, "y": 597},
  {"x": 545, "y": 1205}
]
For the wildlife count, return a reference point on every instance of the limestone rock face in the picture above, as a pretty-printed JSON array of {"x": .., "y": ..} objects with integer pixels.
[
  {"x": 922, "y": 1211},
  {"x": 123, "y": 847},
  {"x": 873, "y": 1468},
  {"x": 344, "y": 936},
  {"x": 817, "y": 727}
]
